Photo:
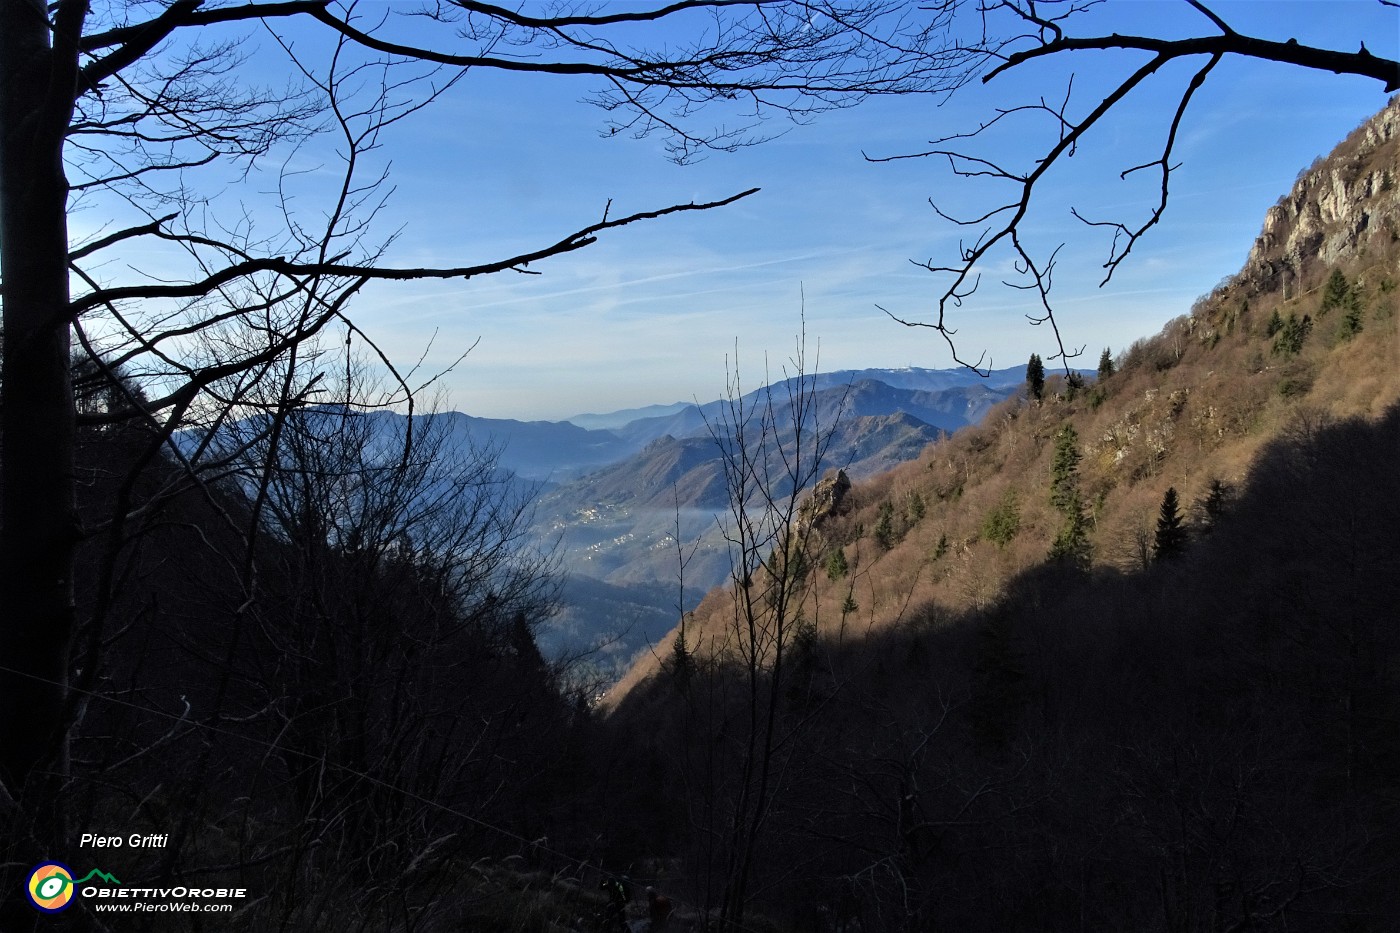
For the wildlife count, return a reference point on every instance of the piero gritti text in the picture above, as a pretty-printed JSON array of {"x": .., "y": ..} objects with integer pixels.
[{"x": 133, "y": 841}]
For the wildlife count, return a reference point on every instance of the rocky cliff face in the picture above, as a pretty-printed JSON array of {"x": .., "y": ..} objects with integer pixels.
[{"x": 1336, "y": 208}]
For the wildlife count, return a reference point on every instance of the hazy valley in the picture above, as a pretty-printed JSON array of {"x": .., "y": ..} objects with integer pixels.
[
  {"x": 1040, "y": 649},
  {"x": 612, "y": 490}
]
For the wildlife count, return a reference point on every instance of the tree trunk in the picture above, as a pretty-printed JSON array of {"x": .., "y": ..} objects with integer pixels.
[{"x": 38, "y": 520}]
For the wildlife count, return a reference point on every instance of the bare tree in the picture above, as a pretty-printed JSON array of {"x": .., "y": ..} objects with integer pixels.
[
  {"x": 124, "y": 106},
  {"x": 396, "y": 594},
  {"x": 1022, "y": 33},
  {"x": 773, "y": 448}
]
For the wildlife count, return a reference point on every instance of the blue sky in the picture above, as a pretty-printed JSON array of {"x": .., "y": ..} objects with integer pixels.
[{"x": 648, "y": 314}]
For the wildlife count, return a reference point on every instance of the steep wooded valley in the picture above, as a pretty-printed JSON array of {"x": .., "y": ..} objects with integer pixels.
[{"x": 1124, "y": 655}]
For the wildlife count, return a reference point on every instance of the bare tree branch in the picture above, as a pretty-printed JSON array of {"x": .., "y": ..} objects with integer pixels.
[
  {"x": 1361, "y": 63},
  {"x": 577, "y": 240},
  {"x": 999, "y": 226}
]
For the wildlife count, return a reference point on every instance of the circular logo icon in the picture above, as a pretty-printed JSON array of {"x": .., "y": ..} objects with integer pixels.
[{"x": 50, "y": 887}]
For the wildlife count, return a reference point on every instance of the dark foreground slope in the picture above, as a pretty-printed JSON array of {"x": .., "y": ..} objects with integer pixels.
[{"x": 1209, "y": 744}]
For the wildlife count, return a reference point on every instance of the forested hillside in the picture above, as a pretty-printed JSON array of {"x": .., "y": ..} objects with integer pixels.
[
  {"x": 1297, "y": 338},
  {"x": 1121, "y": 654},
  {"x": 1122, "y": 657}
]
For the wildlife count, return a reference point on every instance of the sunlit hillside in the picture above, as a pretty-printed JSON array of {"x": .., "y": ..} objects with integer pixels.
[
  {"x": 1122, "y": 657},
  {"x": 1307, "y": 333}
]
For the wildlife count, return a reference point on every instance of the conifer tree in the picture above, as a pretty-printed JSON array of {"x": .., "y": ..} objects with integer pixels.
[
  {"x": 682, "y": 661},
  {"x": 836, "y": 564},
  {"x": 804, "y": 664},
  {"x": 884, "y": 526},
  {"x": 1071, "y": 545},
  {"x": 1351, "y": 319},
  {"x": 1064, "y": 470},
  {"x": 1072, "y": 542},
  {"x": 999, "y": 689},
  {"x": 941, "y": 548},
  {"x": 1035, "y": 378},
  {"x": 523, "y": 645},
  {"x": 1292, "y": 335},
  {"x": 1213, "y": 504},
  {"x": 1171, "y": 537},
  {"x": 1106, "y": 367},
  {"x": 1004, "y": 520},
  {"x": 1336, "y": 293}
]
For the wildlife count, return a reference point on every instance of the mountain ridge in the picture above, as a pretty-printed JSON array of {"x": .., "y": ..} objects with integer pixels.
[{"x": 559, "y": 451}]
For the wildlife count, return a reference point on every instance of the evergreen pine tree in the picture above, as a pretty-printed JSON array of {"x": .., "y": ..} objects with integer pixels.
[
  {"x": 941, "y": 548},
  {"x": 682, "y": 661},
  {"x": 1072, "y": 543},
  {"x": 1351, "y": 319},
  {"x": 522, "y": 643},
  {"x": 1335, "y": 293},
  {"x": 836, "y": 565},
  {"x": 1292, "y": 335},
  {"x": 884, "y": 526},
  {"x": 804, "y": 664},
  {"x": 1171, "y": 536},
  {"x": 1213, "y": 504},
  {"x": 1064, "y": 470},
  {"x": 1003, "y": 521},
  {"x": 999, "y": 691},
  {"x": 1106, "y": 367},
  {"x": 1035, "y": 378}
]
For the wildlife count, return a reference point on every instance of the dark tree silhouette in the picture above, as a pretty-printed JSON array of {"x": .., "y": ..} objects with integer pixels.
[
  {"x": 1215, "y": 502},
  {"x": 767, "y": 471},
  {"x": 1106, "y": 367},
  {"x": 1035, "y": 378},
  {"x": 1170, "y": 539}
]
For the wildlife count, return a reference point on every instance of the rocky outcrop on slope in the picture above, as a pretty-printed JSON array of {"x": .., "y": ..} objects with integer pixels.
[
  {"x": 1338, "y": 207},
  {"x": 827, "y": 499}
]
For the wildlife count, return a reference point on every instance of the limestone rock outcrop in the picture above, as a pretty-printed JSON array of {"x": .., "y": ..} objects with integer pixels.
[
  {"x": 1335, "y": 208},
  {"x": 827, "y": 499}
]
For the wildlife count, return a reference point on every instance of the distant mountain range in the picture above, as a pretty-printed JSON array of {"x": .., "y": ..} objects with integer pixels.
[
  {"x": 942, "y": 398},
  {"x": 615, "y": 527},
  {"x": 618, "y": 419},
  {"x": 541, "y": 450},
  {"x": 559, "y": 451},
  {"x": 615, "y": 489}
]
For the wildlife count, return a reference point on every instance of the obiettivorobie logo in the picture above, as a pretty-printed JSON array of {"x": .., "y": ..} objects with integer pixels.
[
  {"x": 51, "y": 885},
  {"x": 52, "y": 888}
]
